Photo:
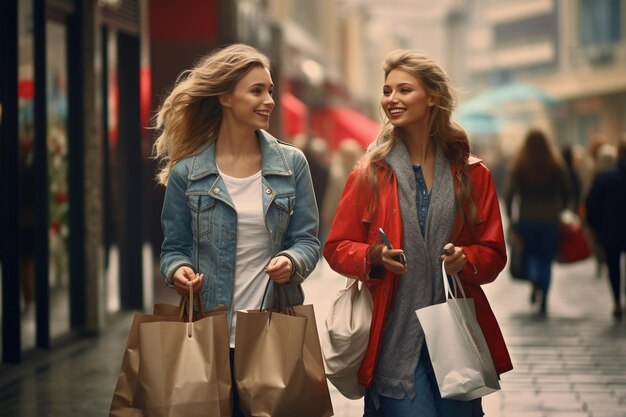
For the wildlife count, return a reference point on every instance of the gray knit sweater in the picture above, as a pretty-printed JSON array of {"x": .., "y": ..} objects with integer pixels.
[{"x": 421, "y": 285}]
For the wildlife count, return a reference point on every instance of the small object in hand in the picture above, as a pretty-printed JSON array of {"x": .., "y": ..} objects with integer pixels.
[
  {"x": 448, "y": 249},
  {"x": 400, "y": 257}
]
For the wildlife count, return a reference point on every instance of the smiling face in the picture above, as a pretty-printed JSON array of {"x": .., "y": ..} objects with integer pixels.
[
  {"x": 404, "y": 100},
  {"x": 251, "y": 103}
]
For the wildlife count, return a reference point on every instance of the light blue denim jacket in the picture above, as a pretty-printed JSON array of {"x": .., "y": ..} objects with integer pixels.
[{"x": 200, "y": 222}]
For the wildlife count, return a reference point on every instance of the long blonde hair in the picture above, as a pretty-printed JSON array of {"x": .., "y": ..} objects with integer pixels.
[
  {"x": 449, "y": 136},
  {"x": 191, "y": 114}
]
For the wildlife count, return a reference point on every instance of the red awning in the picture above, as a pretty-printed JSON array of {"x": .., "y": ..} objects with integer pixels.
[
  {"x": 338, "y": 123},
  {"x": 295, "y": 115}
]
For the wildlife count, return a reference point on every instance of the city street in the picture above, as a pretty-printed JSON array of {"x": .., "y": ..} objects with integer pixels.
[
  {"x": 90, "y": 132},
  {"x": 570, "y": 364},
  {"x": 285, "y": 95}
]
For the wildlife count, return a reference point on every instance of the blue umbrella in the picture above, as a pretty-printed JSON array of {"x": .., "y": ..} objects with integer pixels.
[
  {"x": 480, "y": 115},
  {"x": 478, "y": 124},
  {"x": 494, "y": 98}
]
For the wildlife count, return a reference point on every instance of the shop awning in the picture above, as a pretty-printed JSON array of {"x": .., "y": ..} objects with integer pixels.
[
  {"x": 338, "y": 123},
  {"x": 295, "y": 115}
]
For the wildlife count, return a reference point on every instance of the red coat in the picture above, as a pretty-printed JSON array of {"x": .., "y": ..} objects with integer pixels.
[{"x": 354, "y": 229}]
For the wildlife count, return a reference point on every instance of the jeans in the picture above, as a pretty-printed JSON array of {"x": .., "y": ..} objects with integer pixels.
[
  {"x": 236, "y": 411},
  {"x": 540, "y": 244},
  {"x": 427, "y": 402}
]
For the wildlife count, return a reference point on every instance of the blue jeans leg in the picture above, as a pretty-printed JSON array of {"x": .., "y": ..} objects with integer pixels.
[
  {"x": 422, "y": 406},
  {"x": 428, "y": 401},
  {"x": 540, "y": 244},
  {"x": 369, "y": 409}
]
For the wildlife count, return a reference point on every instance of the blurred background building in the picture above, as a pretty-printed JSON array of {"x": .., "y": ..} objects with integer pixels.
[
  {"x": 558, "y": 64},
  {"x": 80, "y": 209}
]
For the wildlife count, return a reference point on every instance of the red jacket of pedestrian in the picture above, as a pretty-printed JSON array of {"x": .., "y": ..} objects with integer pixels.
[{"x": 355, "y": 228}]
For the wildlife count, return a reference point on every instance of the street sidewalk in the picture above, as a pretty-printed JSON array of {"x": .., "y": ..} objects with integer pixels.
[{"x": 571, "y": 363}]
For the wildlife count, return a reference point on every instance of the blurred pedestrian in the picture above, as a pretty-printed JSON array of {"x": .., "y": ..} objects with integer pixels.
[
  {"x": 343, "y": 161},
  {"x": 317, "y": 153},
  {"x": 539, "y": 184},
  {"x": 599, "y": 154},
  {"x": 239, "y": 206},
  {"x": 420, "y": 184},
  {"x": 605, "y": 158},
  {"x": 567, "y": 152},
  {"x": 606, "y": 208},
  {"x": 591, "y": 163}
]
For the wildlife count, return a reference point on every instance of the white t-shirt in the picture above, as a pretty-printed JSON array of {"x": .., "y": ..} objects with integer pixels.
[{"x": 253, "y": 245}]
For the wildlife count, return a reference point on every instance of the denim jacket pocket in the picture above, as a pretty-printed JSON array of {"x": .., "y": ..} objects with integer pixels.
[
  {"x": 285, "y": 202},
  {"x": 279, "y": 214},
  {"x": 202, "y": 208}
]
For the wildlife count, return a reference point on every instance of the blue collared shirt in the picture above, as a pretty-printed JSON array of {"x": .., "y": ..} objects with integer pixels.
[{"x": 423, "y": 197}]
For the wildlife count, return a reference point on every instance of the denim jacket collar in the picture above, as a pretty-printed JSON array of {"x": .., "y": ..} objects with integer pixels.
[{"x": 273, "y": 158}]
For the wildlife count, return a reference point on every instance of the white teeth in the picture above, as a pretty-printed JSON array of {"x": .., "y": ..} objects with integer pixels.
[{"x": 396, "y": 111}]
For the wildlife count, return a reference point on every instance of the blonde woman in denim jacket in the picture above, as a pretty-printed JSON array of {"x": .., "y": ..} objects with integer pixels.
[{"x": 239, "y": 208}]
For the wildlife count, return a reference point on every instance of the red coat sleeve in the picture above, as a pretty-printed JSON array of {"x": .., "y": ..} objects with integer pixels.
[{"x": 486, "y": 249}]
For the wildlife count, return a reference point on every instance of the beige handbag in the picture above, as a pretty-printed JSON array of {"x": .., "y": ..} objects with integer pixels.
[{"x": 346, "y": 337}]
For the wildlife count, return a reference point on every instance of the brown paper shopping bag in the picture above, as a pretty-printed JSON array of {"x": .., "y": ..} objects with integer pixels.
[
  {"x": 173, "y": 367},
  {"x": 122, "y": 404},
  {"x": 279, "y": 368}
]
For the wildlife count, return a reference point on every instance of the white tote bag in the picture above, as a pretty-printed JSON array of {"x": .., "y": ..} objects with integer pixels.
[
  {"x": 346, "y": 335},
  {"x": 458, "y": 351}
]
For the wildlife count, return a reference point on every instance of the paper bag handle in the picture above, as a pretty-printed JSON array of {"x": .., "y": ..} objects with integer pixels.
[
  {"x": 280, "y": 300},
  {"x": 190, "y": 303},
  {"x": 184, "y": 301}
]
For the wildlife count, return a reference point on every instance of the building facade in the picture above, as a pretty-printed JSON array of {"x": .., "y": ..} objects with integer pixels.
[
  {"x": 573, "y": 51},
  {"x": 71, "y": 168}
]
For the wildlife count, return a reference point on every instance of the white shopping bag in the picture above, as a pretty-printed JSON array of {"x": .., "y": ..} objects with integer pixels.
[
  {"x": 458, "y": 351},
  {"x": 345, "y": 337}
]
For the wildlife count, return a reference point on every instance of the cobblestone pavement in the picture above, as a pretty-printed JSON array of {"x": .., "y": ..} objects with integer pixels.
[{"x": 571, "y": 363}]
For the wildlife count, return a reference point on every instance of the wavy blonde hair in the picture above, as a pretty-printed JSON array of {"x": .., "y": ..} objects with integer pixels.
[
  {"x": 447, "y": 134},
  {"x": 191, "y": 114}
]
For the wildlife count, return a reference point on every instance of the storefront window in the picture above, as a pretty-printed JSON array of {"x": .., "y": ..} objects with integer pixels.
[
  {"x": 26, "y": 179},
  {"x": 113, "y": 202},
  {"x": 58, "y": 179}
]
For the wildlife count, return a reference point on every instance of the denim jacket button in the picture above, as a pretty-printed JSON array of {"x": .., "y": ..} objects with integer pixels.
[
  {"x": 268, "y": 191},
  {"x": 216, "y": 190}
]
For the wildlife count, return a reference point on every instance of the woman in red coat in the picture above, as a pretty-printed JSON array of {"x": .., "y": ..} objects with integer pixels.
[{"x": 420, "y": 184}]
